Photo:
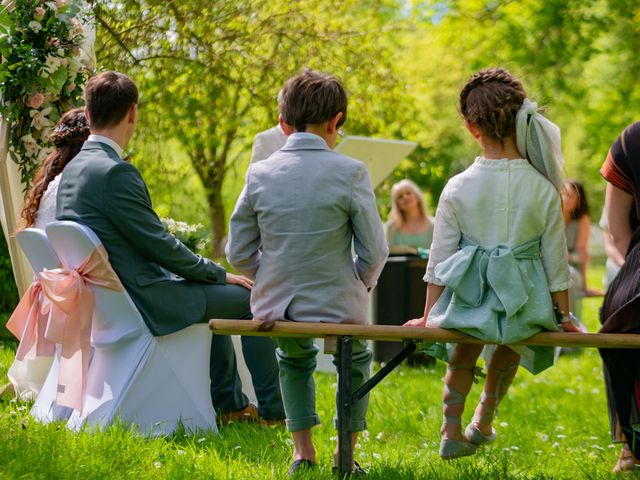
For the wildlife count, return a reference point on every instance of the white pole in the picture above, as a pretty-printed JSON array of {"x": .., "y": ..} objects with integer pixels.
[{"x": 11, "y": 199}]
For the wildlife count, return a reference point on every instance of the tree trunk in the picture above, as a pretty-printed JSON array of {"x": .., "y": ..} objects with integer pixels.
[{"x": 218, "y": 222}]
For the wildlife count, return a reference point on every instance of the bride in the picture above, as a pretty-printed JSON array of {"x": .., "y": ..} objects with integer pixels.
[{"x": 70, "y": 133}]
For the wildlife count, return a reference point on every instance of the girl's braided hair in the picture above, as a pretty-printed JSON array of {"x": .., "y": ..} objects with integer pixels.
[
  {"x": 69, "y": 135},
  {"x": 491, "y": 99}
]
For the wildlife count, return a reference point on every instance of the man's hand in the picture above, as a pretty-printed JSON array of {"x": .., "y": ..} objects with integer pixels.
[
  {"x": 416, "y": 322},
  {"x": 239, "y": 280}
]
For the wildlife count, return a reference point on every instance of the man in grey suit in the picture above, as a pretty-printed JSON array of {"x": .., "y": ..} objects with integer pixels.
[
  {"x": 270, "y": 141},
  {"x": 171, "y": 287},
  {"x": 292, "y": 230}
]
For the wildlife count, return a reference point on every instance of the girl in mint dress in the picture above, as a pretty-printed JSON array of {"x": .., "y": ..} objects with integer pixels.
[{"x": 497, "y": 265}]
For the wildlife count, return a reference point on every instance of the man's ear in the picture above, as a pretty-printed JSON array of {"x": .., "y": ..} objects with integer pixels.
[
  {"x": 332, "y": 124},
  {"x": 133, "y": 114},
  {"x": 286, "y": 128},
  {"x": 86, "y": 115}
]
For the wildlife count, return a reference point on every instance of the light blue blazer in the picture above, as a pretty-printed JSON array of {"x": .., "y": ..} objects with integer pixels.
[{"x": 292, "y": 231}]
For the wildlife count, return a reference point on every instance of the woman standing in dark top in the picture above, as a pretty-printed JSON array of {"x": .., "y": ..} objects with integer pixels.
[{"x": 621, "y": 309}]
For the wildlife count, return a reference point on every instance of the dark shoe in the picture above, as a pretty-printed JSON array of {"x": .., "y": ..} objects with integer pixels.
[
  {"x": 301, "y": 464},
  {"x": 247, "y": 414},
  {"x": 357, "y": 471}
]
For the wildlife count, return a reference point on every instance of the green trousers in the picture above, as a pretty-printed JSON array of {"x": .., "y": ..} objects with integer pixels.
[{"x": 297, "y": 362}]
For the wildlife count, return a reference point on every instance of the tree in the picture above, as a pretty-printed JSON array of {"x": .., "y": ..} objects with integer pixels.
[{"x": 209, "y": 71}]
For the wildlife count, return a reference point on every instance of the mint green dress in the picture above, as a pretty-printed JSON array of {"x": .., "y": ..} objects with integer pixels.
[
  {"x": 396, "y": 238},
  {"x": 499, "y": 250}
]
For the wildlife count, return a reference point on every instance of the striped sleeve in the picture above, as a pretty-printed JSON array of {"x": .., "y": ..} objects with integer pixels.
[{"x": 622, "y": 165}]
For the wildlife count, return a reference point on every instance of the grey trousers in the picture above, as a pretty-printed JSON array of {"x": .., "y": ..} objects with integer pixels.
[
  {"x": 297, "y": 360},
  {"x": 232, "y": 301}
]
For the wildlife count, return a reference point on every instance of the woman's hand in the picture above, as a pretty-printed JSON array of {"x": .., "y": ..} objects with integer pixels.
[
  {"x": 416, "y": 322},
  {"x": 239, "y": 280},
  {"x": 568, "y": 326}
]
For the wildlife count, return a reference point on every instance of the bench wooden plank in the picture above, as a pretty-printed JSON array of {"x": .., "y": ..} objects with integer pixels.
[{"x": 399, "y": 333}]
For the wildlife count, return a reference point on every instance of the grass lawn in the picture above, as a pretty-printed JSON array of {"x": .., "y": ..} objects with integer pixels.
[{"x": 553, "y": 425}]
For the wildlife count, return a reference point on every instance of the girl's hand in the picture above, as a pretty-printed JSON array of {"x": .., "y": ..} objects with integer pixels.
[
  {"x": 568, "y": 326},
  {"x": 416, "y": 322}
]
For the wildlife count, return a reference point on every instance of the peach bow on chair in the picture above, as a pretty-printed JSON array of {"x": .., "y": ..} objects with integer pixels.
[
  {"x": 28, "y": 323},
  {"x": 71, "y": 319}
]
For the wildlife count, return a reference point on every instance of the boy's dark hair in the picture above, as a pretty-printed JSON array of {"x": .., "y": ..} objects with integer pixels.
[
  {"x": 491, "y": 99},
  {"x": 108, "y": 97},
  {"x": 312, "y": 98}
]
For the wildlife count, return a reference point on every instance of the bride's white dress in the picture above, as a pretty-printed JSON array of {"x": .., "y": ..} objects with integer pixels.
[{"x": 28, "y": 375}]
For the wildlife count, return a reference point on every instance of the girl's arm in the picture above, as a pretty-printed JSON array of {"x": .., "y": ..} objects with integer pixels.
[
  {"x": 617, "y": 205},
  {"x": 433, "y": 294},
  {"x": 561, "y": 301},
  {"x": 582, "y": 249}
]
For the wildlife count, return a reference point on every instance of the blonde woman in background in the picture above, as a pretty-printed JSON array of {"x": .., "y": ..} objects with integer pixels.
[{"x": 408, "y": 224}]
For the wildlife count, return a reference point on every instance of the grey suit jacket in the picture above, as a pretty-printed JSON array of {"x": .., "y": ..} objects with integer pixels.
[
  {"x": 267, "y": 142},
  {"x": 165, "y": 280},
  {"x": 292, "y": 230}
]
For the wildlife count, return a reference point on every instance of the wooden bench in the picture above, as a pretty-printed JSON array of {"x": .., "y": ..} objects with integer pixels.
[{"x": 341, "y": 336}]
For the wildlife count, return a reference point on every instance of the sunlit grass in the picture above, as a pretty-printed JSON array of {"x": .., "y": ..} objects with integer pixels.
[{"x": 553, "y": 425}]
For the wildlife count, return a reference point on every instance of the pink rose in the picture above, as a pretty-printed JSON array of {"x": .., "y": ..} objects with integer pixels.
[
  {"x": 77, "y": 27},
  {"x": 36, "y": 100},
  {"x": 71, "y": 87},
  {"x": 38, "y": 13},
  {"x": 61, "y": 3},
  {"x": 53, "y": 42}
]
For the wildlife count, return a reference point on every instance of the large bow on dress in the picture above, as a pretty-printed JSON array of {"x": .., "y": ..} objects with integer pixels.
[
  {"x": 473, "y": 270},
  {"x": 28, "y": 322},
  {"x": 71, "y": 318}
]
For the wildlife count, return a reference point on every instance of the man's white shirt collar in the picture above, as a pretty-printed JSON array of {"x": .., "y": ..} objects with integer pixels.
[{"x": 106, "y": 141}]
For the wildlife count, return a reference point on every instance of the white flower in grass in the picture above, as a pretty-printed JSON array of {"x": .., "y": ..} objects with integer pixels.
[
  {"x": 201, "y": 439},
  {"x": 157, "y": 464},
  {"x": 180, "y": 452},
  {"x": 559, "y": 427},
  {"x": 555, "y": 445},
  {"x": 595, "y": 391},
  {"x": 379, "y": 436},
  {"x": 377, "y": 456},
  {"x": 515, "y": 447},
  {"x": 35, "y": 26},
  {"x": 570, "y": 390},
  {"x": 201, "y": 246},
  {"x": 611, "y": 445},
  {"x": 597, "y": 447},
  {"x": 504, "y": 424},
  {"x": 592, "y": 437},
  {"x": 543, "y": 436},
  {"x": 561, "y": 436}
]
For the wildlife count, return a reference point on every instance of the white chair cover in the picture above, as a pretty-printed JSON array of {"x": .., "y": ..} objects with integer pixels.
[
  {"x": 155, "y": 383},
  {"x": 28, "y": 375}
]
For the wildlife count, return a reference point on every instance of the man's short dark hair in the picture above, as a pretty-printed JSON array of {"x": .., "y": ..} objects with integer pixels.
[
  {"x": 312, "y": 98},
  {"x": 108, "y": 98}
]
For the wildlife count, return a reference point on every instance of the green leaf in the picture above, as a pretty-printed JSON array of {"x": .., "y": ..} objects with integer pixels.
[{"x": 59, "y": 78}]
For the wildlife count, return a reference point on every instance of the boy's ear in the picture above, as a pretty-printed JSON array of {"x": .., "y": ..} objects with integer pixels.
[
  {"x": 332, "y": 125},
  {"x": 286, "y": 128}
]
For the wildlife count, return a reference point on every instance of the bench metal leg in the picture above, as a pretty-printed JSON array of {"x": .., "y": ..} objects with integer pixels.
[
  {"x": 345, "y": 458},
  {"x": 384, "y": 371}
]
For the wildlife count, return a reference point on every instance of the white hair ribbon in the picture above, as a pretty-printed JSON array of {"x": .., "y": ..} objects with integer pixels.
[{"x": 538, "y": 140}]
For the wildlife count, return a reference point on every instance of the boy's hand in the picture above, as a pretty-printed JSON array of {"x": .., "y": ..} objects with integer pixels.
[{"x": 416, "y": 322}]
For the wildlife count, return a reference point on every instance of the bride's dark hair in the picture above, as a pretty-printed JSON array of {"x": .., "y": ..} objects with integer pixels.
[{"x": 68, "y": 137}]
